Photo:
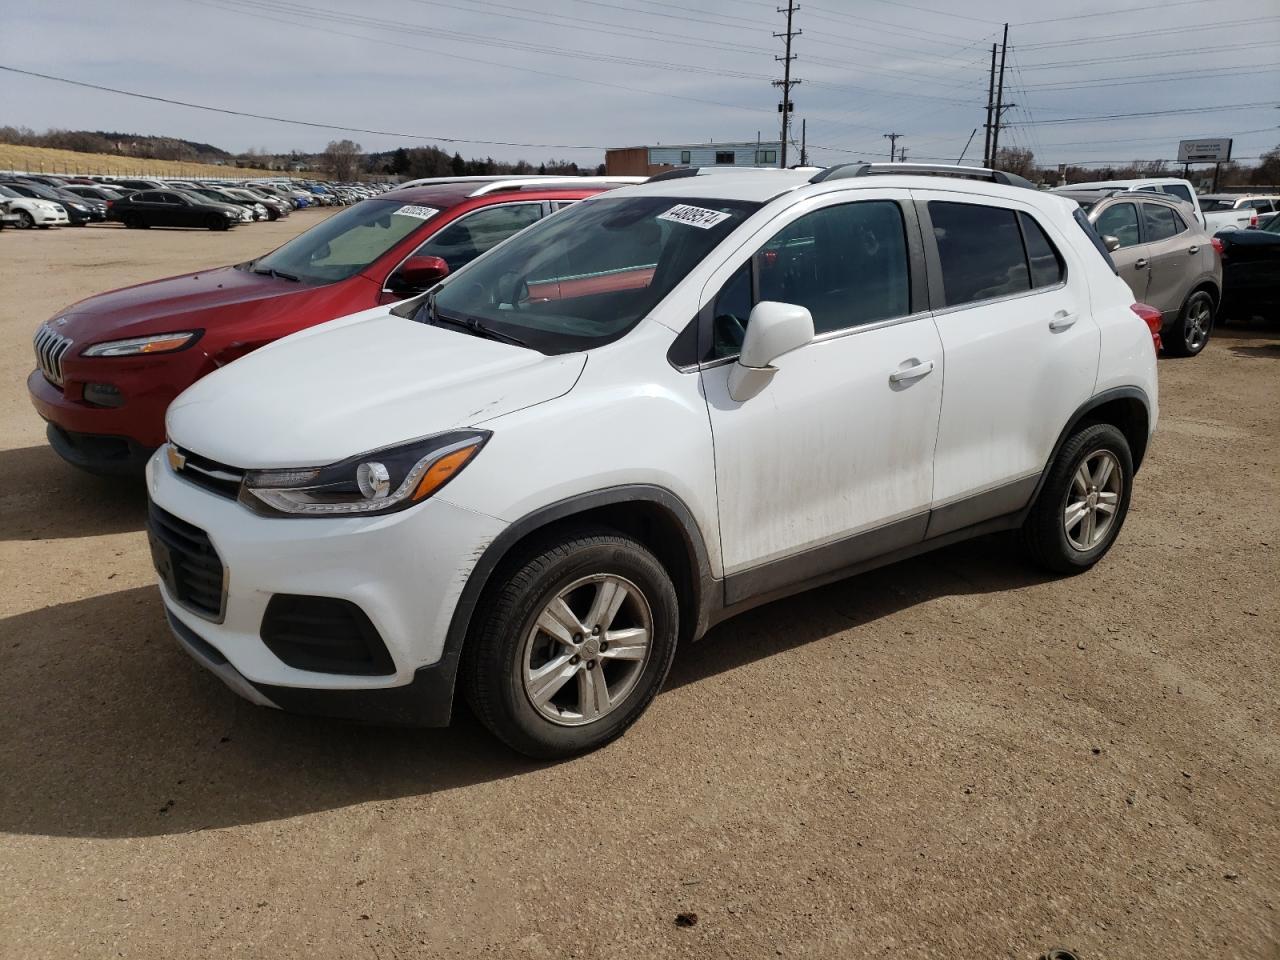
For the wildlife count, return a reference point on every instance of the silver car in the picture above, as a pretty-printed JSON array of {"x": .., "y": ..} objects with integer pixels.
[{"x": 1165, "y": 256}]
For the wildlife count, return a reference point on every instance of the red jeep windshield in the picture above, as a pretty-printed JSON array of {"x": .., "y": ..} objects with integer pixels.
[
  {"x": 587, "y": 275},
  {"x": 347, "y": 242}
]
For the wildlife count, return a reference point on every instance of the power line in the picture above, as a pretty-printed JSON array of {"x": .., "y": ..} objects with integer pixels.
[
  {"x": 1150, "y": 113},
  {"x": 1091, "y": 16},
  {"x": 1129, "y": 35},
  {"x": 300, "y": 123},
  {"x": 454, "y": 55},
  {"x": 1162, "y": 55}
]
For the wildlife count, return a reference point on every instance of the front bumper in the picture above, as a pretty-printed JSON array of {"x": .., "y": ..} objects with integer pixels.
[
  {"x": 146, "y": 384},
  {"x": 405, "y": 571}
]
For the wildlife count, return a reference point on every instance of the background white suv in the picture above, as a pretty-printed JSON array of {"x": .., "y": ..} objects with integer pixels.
[{"x": 637, "y": 418}]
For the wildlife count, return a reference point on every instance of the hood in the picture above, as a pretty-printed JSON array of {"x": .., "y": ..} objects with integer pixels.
[
  {"x": 194, "y": 300},
  {"x": 346, "y": 387}
]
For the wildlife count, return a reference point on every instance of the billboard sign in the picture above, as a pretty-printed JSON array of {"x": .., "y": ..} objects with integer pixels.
[{"x": 1205, "y": 151}]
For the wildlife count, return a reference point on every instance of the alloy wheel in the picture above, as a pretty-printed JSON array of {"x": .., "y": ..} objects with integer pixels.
[
  {"x": 1093, "y": 500},
  {"x": 587, "y": 649},
  {"x": 1197, "y": 325}
]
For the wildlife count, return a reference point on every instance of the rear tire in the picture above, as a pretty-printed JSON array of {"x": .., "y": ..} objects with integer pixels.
[
  {"x": 1084, "y": 501},
  {"x": 1190, "y": 334},
  {"x": 551, "y": 693}
]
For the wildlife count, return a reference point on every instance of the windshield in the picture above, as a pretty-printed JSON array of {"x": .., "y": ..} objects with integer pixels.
[
  {"x": 587, "y": 275},
  {"x": 1273, "y": 225},
  {"x": 6, "y": 192},
  {"x": 347, "y": 242}
]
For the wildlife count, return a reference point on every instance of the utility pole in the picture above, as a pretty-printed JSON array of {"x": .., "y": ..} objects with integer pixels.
[
  {"x": 804, "y": 153},
  {"x": 786, "y": 83},
  {"x": 991, "y": 105},
  {"x": 893, "y": 144},
  {"x": 1000, "y": 108}
]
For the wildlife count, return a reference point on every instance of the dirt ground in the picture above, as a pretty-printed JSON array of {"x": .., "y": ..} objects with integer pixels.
[{"x": 952, "y": 756}]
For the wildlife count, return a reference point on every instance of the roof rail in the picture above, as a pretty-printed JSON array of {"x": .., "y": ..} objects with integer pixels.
[
  {"x": 844, "y": 171},
  {"x": 518, "y": 183},
  {"x": 679, "y": 173}
]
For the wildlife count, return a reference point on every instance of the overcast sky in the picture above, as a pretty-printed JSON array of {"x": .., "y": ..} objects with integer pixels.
[{"x": 585, "y": 74}]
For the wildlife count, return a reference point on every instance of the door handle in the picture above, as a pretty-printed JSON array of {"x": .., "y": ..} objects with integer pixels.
[
  {"x": 1193, "y": 250},
  {"x": 911, "y": 373},
  {"x": 1140, "y": 263},
  {"x": 1062, "y": 320}
]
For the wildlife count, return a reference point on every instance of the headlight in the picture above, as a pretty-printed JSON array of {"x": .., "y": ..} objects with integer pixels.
[
  {"x": 160, "y": 343},
  {"x": 380, "y": 481}
]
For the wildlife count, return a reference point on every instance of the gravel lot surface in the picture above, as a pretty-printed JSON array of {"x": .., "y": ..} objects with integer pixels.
[{"x": 952, "y": 756}]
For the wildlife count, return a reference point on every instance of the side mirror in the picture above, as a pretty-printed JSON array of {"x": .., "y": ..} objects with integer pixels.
[
  {"x": 772, "y": 330},
  {"x": 418, "y": 273},
  {"x": 1112, "y": 243}
]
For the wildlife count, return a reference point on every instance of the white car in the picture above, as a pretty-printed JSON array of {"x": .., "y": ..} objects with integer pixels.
[
  {"x": 643, "y": 415},
  {"x": 32, "y": 211},
  {"x": 1236, "y": 211},
  {"x": 1173, "y": 186}
]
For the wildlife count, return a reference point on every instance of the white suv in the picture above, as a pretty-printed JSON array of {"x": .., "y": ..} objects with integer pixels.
[{"x": 643, "y": 415}]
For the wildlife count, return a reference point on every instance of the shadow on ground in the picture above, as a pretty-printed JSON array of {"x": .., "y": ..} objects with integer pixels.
[
  {"x": 44, "y": 498},
  {"x": 109, "y": 730}
]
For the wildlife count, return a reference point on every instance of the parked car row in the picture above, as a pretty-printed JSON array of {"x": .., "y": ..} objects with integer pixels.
[
  {"x": 43, "y": 200},
  {"x": 550, "y": 431}
]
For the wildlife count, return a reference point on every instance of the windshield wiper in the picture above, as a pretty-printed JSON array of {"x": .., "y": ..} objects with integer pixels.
[
  {"x": 270, "y": 272},
  {"x": 471, "y": 325}
]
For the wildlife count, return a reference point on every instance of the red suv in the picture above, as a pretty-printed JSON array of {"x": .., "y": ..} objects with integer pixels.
[{"x": 108, "y": 367}]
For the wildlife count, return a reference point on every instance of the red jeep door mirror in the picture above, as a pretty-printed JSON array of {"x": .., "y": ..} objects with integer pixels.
[{"x": 418, "y": 273}]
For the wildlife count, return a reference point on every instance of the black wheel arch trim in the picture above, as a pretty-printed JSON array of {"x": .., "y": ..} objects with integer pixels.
[
  {"x": 703, "y": 585},
  {"x": 1093, "y": 403}
]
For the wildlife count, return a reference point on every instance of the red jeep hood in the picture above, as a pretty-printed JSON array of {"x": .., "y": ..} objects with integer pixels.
[{"x": 178, "y": 303}]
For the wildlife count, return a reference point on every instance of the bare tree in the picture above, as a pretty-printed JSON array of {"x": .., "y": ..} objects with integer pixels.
[
  {"x": 341, "y": 159},
  {"x": 1016, "y": 160}
]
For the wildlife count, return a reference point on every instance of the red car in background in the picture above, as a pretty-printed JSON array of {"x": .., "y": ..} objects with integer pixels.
[{"x": 108, "y": 367}]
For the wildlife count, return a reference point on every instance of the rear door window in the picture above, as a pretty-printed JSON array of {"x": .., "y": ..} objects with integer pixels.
[
  {"x": 1119, "y": 221},
  {"x": 1179, "y": 191},
  {"x": 981, "y": 252},
  {"x": 1160, "y": 222}
]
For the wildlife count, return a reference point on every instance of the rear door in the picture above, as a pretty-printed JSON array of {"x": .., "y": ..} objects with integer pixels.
[
  {"x": 149, "y": 208},
  {"x": 1170, "y": 256},
  {"x": 1011, "y": 306},
  {"x": 1120, "y": 219}
]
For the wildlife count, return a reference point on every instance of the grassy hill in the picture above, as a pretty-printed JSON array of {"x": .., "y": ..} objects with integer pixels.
[{"x": 49, "y": 160}]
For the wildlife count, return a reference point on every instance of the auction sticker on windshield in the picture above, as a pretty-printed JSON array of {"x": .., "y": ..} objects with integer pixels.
[
  {"x": 411, "y": 210},
  {"x": 699, "y": 217}
]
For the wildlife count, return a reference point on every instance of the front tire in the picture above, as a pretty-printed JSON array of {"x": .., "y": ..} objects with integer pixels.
[
  {"x": 25, "y": 220},
  {"x": 1084, "y": 501},
  {"x": 1191, "y": 333},
  {"x": 577, "y": 640}
]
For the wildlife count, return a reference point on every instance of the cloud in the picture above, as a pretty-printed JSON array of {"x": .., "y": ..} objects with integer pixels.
[{"x": 622, "y": 72}]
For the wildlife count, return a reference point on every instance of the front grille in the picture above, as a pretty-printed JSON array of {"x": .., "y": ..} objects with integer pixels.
[
  {"x": 187, "y": 563},
  {"x": 213, "y": 476},
  {"x": 325, "y": 635},
  {"x": 51, "y": 347}
]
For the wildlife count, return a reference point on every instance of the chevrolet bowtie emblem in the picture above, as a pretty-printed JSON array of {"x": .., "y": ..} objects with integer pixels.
[{"x": 176, "y": 460}]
